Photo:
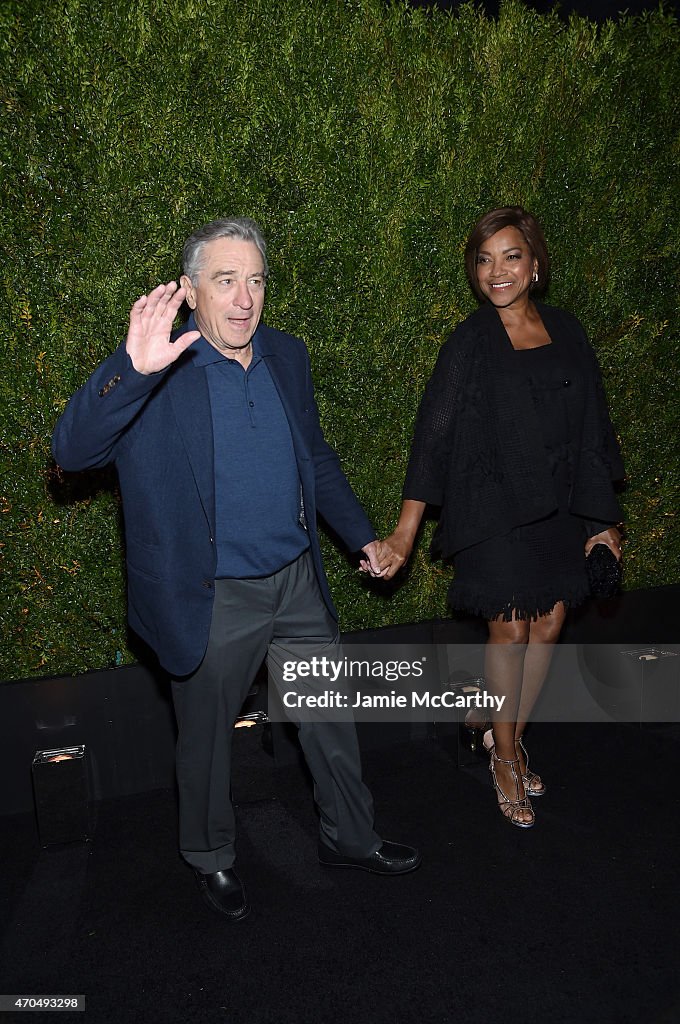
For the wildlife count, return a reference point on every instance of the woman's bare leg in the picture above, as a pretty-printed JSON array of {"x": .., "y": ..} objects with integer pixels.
[
  {"x": 544, "y": 633},
  {"x": 504, "y": 672}
]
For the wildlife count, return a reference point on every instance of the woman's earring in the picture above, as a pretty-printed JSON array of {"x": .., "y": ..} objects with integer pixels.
[{"x": 535, "y": 277}]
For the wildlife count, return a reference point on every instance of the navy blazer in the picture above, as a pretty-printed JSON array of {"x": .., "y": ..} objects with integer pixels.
[{"x": 157, "y": 429}]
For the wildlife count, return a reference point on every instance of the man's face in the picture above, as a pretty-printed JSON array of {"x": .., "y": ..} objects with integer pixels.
[{"x": 228, "y": 293}]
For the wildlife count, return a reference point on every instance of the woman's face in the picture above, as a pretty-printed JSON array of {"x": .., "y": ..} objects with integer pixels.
[{"x": 505, "y": 268}]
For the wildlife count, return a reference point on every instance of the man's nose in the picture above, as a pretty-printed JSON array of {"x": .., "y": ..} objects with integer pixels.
[{"x": 243, "y": 296}]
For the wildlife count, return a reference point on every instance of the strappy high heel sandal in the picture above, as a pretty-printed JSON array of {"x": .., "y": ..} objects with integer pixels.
[
  {"x": 511, "y": 809},
  {"x": 533, "y": 783}
]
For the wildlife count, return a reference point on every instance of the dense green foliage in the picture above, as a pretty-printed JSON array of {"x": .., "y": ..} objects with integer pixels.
[{"x": 366, "y": 138}]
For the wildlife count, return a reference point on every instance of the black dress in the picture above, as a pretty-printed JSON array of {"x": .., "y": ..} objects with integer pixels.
[{"x": 535, "y": 565}]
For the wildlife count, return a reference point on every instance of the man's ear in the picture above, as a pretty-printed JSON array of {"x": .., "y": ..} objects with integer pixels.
[{"x": 185, "y": 283}]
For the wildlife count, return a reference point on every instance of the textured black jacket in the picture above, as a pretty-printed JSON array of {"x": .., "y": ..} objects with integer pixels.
[{"x": 478, "y": 449}]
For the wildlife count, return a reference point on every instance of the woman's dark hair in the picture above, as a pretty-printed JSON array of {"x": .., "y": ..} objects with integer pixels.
[{"x": 496, "y": 220}]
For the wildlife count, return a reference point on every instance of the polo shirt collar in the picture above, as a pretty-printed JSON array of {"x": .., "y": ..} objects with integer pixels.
[{"x": 204, "y": 353}]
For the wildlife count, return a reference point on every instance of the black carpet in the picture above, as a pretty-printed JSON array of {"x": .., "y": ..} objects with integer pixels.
[{"x": 573, "y": 921}]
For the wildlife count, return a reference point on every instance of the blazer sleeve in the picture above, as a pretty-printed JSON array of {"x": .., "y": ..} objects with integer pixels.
[
  {"x": 432, "y": 437},
  {"x": 98, "y": 416}
]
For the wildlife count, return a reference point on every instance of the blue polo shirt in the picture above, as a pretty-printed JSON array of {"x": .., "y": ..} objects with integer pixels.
[{"x": 257, "y": 485}]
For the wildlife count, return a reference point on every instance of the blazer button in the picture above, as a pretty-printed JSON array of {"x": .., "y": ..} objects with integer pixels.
[
  {"x": 109, "y": 384},
  {"x": 566, "y": 383},
  {"x": 207, "y": 584}
]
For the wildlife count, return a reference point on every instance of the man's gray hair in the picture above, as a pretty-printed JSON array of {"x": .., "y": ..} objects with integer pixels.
[{"x": 242, "y": 228}]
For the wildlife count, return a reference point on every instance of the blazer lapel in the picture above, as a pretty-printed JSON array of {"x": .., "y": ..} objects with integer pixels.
[
  {"x": 190, "y": 398},
  {"x": 285, "y": 381}
]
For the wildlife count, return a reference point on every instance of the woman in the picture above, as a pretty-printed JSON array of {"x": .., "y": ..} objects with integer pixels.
[{"x": 513, "y": 440}]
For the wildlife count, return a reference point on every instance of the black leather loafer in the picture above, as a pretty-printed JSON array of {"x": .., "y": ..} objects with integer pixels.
[
  {"x": 223, "y": 891},
  {"x": 390, "y": 859}
]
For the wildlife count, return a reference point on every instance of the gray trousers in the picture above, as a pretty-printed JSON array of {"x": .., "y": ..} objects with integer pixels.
[{"x": 253, "y": 619}]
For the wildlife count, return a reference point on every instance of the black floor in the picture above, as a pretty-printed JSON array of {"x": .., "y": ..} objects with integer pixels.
[{"x": 573, "y": 921}]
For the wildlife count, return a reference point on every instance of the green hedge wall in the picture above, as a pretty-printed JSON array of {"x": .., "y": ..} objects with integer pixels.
[{"x": 366, "y": 138}]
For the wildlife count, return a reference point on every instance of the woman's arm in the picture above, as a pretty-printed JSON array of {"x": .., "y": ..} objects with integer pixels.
[
  {"x": 429, "y": 455},
  {"x": 394, "y": 551},
  {"x": 433, "y": 430}
]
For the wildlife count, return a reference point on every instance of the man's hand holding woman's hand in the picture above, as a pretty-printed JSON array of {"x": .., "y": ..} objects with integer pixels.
[
  {"x": 377, "y": 559},
  {"x": 390, "y": 554}
]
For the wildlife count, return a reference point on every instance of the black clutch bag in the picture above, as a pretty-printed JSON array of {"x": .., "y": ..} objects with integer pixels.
[{"x": 604, "y": 571}]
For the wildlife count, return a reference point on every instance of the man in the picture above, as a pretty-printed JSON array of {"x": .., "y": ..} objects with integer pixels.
[{"x": 222, "y": 466}]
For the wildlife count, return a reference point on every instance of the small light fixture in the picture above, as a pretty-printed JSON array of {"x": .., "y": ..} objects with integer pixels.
[{"x": 62, "y": 795}]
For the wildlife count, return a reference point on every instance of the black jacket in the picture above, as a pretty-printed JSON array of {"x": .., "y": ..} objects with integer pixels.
[{"x": 478, "y": 449}]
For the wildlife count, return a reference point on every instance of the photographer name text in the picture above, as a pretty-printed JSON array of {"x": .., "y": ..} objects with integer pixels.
[{"x": 416, "y": 699}]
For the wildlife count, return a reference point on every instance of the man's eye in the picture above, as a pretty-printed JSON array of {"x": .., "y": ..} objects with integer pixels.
[{"x": 256, "y": 282}]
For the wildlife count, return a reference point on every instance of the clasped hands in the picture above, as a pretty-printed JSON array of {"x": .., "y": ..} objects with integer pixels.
[{"x": 384, "y": 558}]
